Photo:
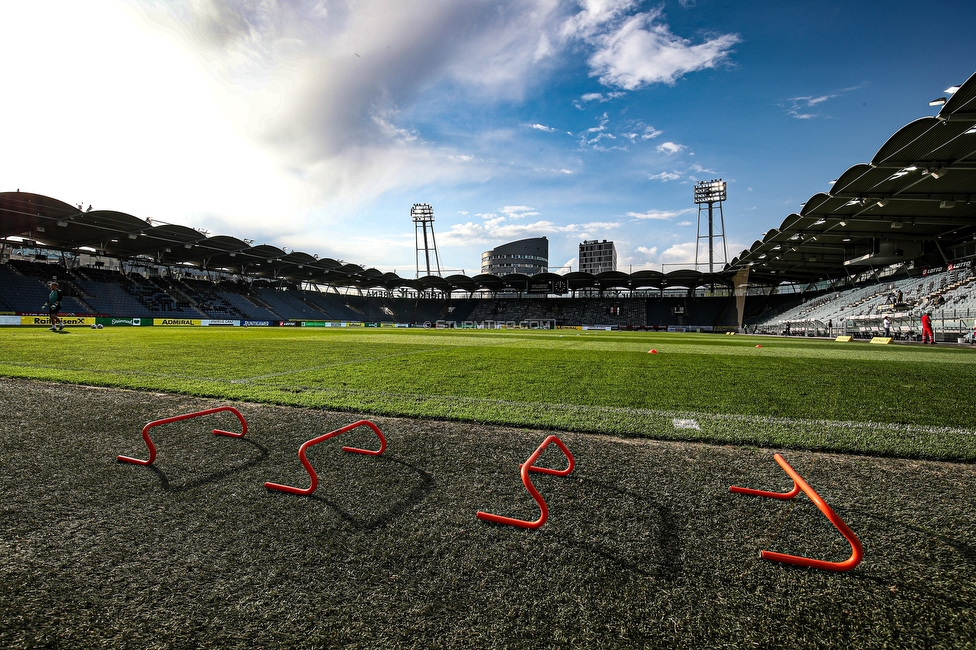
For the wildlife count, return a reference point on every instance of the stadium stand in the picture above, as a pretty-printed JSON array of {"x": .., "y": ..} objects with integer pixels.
[
  {"x": 288, "y": 304},
  {"x": 25, "y": 289},
  {"x": 949, "y": 295}
]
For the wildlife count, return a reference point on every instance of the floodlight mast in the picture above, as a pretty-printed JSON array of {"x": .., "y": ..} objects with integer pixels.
[
  {"x": 709, "y": 193},
  {"x": 423, "y": 214}
]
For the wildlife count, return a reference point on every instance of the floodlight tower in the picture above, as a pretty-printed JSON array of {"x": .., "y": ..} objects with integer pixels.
[
  {"x": 423, "y": 216},
  {"x": 709, "y": 193}
]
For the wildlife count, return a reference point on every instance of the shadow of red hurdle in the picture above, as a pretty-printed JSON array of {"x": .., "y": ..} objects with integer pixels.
[
  {"x": 216, "y": 432},
  {"x": 529, "y": 466},
  {"x": 857, "y": 551},
  {"x": 314, "y": 441}
]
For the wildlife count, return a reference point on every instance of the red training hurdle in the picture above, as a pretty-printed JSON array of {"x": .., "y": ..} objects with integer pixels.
[
  {"x": 857, "y": 551},
  {"x": 529, "y": 466},
  {"x": 314, "y": 441},
  {"x": 217, "y": 432}
]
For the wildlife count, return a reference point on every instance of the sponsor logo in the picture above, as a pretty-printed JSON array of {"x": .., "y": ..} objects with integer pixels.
[
  {"x": 43, "y": 320},
  {"x": 126, "y": 321},
  {"x": 256, "y": 323},
  {"x": 174, "y": 321}
]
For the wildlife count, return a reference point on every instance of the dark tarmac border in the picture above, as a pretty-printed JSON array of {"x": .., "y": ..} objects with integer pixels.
[{"x": 644, "y": 546}]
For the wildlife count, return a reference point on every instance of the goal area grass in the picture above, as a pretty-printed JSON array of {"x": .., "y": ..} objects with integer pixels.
[{"x": 905, "y": 401}]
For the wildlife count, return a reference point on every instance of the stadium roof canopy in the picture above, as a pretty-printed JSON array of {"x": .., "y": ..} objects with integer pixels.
[{"x": 913, "y": 202}]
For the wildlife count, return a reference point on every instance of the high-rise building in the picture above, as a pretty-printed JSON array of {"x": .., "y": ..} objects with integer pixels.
[
  {"x": 526, "y": 256},
  {"x": 597, "y": 256}
]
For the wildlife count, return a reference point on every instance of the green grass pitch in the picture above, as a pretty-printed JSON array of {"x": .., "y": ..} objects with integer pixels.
[{"x": 895, "y": 400}]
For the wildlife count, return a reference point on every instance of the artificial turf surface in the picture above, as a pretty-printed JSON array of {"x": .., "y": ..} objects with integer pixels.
[{"x": 644, "y": 546}]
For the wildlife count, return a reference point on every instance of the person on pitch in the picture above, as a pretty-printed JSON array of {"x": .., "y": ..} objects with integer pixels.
[
  {"x": 53, "y": 306},
  {"x": 928, "y": 336}
]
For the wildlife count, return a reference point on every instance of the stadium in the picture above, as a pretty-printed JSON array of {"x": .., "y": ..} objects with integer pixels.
[
  {"x": 893, "y": 237},
  {"x": 665, "y": 388}
]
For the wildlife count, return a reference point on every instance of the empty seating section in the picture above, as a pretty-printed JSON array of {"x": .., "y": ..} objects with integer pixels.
[
  {"x": 249, "y": 310},
  {"x": 335, "y": 306},
  {"x": 110, "y": 298},
  {"x": 28, "y": 293},
  {"x": 205, "y": 297},
  {"x": 288, "y": 305},
  {"x": 155, "y": 297},
  {"x": 949, "y": 295}
]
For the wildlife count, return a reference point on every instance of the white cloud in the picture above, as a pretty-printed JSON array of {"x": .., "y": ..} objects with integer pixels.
[
  {"x": 647, "y": 133},
  {"x": 671, "y": 148},
  {"x": 540, "y": 127},
  {"x": 659, "y": 215},
  {"x": 497, "y": 229},
  {"x": 683, "y": 223},
  {"x": 591, "y": 138},
  {"x": 650, "y": 132},
  {"x": 701, "y": 170},
  {"x": 679, "y": 254},
  {"x": 554, "y": 171},
  {"x": 153, "y": 134},
  {"x": 518, "y": 211},
  {"x": 637, "y": 50},
  {"x": 805, "y": 107},
  {"x": 567, "y": 266},
  {"x": 322, "y": 88},
  {"x": 665, "y": 176},
  {"x": 647, "y": 251},
  {"x": 600, "y": 97}
]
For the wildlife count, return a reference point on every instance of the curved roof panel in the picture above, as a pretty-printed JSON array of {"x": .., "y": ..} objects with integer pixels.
[
  {"x": 895, "y": 152},
  {"x": 613, "y": 279},
  {"x": 963, "y": 101},
  {"x": 646, "y": 278}
]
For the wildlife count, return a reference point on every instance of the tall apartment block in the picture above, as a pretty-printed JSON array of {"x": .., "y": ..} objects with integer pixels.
[{"x": 597, "y": 256}]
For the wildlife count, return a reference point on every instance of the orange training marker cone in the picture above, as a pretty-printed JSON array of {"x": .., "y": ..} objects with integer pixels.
[
  {"x": 758, "y": 345},
  {"x": 652, "y": 351}
]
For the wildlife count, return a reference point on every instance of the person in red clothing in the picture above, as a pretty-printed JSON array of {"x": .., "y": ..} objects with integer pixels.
[{"x": 927, "y": 334}]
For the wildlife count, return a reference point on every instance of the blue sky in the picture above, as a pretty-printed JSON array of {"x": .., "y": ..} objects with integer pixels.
[{"x": 316, "y": 125}]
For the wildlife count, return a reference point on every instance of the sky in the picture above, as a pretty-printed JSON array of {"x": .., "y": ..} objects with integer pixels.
[{"x": 315, "y": 126}]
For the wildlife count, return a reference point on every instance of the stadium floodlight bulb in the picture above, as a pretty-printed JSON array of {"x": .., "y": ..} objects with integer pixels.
[
  {"x": 951, "y": 90},
  {"x": 422, "y": 212},
  {"x": 710, "y": 191}
]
